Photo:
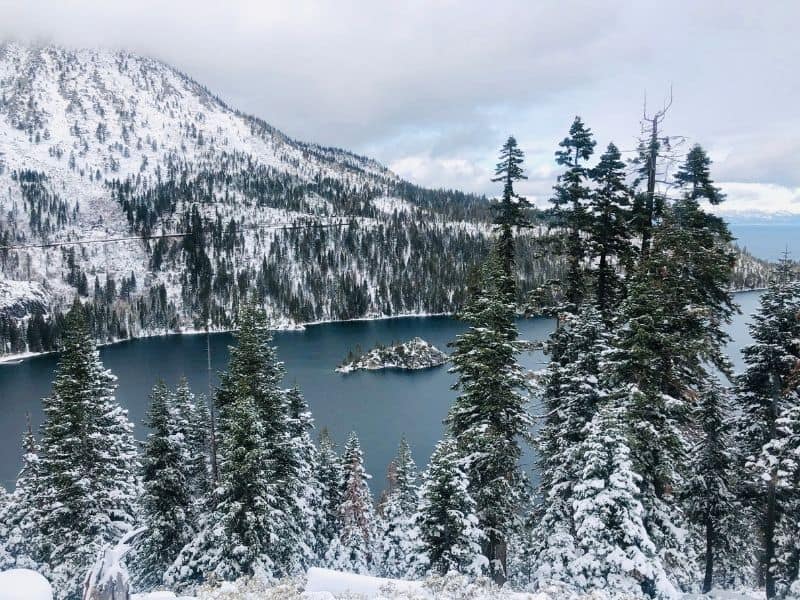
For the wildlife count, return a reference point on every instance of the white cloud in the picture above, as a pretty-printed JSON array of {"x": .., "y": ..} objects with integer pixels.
[
  {"x": 759, "y": 200},
  {"x": 453, "y": 173},
  {"x": 446, "y": 81}
]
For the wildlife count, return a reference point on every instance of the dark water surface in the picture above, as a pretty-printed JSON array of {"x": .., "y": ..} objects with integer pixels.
[{"x": 380, "y": 405}]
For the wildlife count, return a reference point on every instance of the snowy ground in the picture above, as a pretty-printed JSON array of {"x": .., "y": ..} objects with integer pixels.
[
  {"x": 324, "y": 584},
  {"x": 22, "y": 584}
]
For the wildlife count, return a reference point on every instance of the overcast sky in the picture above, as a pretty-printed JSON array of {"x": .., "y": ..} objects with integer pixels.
[{"x": 431, "y": 88}]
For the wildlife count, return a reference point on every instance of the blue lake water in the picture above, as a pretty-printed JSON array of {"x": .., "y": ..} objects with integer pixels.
[
  {"x": 768, "y": 240},
  {"x": 380, "y": 406}
]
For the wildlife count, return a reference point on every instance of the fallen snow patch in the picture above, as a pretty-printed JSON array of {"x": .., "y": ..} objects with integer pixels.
[
  {"x": 334, "y": 582},
  {"x": 24, "y": 584}
]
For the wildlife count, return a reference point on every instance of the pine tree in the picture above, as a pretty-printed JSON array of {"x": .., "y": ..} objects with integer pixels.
[
  {"x": 354, "y": 548},
  {"x": 711, "y": 491},
  {"x": 767, "y": 394},
  {"x": 671, "y": 332},
  {"x": 783, "y": 460},
  {"x": 397, "y": 530},
  {"x": 573, "y": 388},
  {"x": 608, "y": 209},
  {"x": 450, "y": 538},
  {"x": 646, "y": 368},
  {"x": 509, "y": 212},
  {"x": 614, "y": 549},
  {"x": 570, "y": 206},
  {"x": 695, "y": 174},
  {"x": 488, "y": 418},
  {"x": 166, "y": 501},
  {"x": 330, "y": 479},
  {"x": 236, "y": 538},
  {"x": 21, "y": 543},
  {"x": 306, "y": 516},
  {"x": 192, "y": 419},
  {"x": 254, "y": 370},
  {"x": 7, "y": 558},
  {"x": 260, "y": 496},
  {"x": 88, "y": 461}
]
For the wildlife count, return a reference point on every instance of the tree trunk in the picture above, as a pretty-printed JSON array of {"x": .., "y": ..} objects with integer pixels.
[
  {"x": 650, "y": 201},
  {"x": 771, "y": 516},
  {"x": 602, "y": 291},
  {"x": 708, "y": 582},
  {"x": 498, "y": 559},
  {"x": 769, "y": 541}
]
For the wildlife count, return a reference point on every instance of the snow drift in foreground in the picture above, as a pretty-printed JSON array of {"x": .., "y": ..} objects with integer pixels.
[
  {"x": 24, "y": 584},
  {"x": 324, "y": 584}
]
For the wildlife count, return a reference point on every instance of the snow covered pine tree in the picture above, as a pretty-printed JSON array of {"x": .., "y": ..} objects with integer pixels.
[
  {"x": 397, "y": 529},
  {"x": 353, "y": 549},
  {"x": 769, "y": 430},
  {"x": 88, "y": 462}
]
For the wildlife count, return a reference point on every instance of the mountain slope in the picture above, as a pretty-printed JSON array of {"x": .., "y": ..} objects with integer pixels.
[{"x": 98, "y": 144}]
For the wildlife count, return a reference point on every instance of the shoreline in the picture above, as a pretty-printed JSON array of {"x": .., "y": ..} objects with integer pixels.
[{"x": 14, "y": 359}]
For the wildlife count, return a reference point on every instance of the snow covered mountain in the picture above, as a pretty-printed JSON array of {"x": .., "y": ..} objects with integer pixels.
[{"x": 98, "y": 144}]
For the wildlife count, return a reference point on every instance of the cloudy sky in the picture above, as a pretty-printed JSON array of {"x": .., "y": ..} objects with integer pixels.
[{"x": 432, "y": 88}]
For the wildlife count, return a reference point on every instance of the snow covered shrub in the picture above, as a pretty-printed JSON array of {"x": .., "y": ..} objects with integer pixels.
[
  {"x": 454, "y": 586},
  {"x": 253, "y": 588}
]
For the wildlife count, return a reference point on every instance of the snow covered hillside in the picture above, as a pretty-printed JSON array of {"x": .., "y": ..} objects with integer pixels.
[
  {"x": 97, "y": 144},
  {"x": 100, "y": 144}
]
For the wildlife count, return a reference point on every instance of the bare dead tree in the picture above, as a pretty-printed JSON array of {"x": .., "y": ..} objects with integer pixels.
[{"x": 649, "y": 149}]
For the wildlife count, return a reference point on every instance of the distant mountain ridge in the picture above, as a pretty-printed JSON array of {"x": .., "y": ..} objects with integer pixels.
[{"x": 99, "y": 144}]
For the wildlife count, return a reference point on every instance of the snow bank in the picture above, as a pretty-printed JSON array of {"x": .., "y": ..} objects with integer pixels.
[
  {"x": 160, "y": 596},
  {"x": 24, "y": 584},
  {"x": 325, "y": 584},
  {"x": 321, "y": 581}
]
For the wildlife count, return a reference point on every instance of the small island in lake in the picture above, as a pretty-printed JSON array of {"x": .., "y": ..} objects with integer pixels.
[{"x": 412, "y": 355}]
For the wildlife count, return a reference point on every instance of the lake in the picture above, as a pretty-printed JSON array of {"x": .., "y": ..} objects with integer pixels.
[
  {"x": 380, "y": 406},
  {"x": 768, "y": 240}
]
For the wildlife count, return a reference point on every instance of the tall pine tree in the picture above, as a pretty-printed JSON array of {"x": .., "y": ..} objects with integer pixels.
[
  {"x": 489, "y": 417},
  {"x": 768, "y": 398},
  {"x": 570, "y": 206},
  {"x": 397, "y": 529},
  {"x": 450, "y": 538},
  {"x": 509, "y": 212},
  {"x": 166, "y": 504},
  {"x": 607, "y": 229},
  {"x": 354, "y": 547},
  {"x": 88, "y": 461},
  {"x": 671, "y": 333}
]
